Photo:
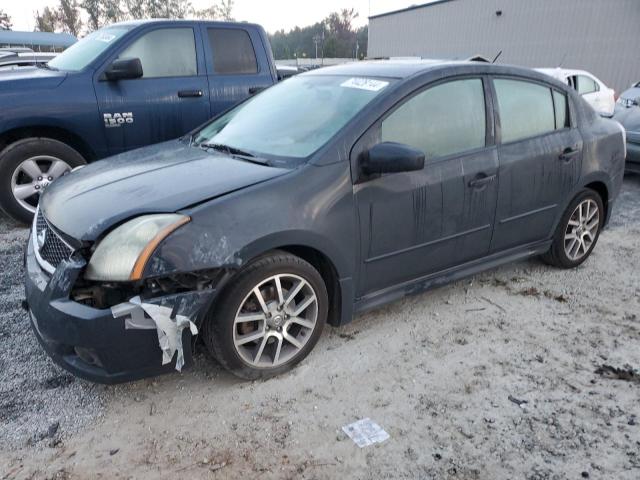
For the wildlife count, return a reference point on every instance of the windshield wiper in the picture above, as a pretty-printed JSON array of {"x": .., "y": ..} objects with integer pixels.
[
  {"x": 234, "y": 152},
  {"x": 45, "y": 66}
]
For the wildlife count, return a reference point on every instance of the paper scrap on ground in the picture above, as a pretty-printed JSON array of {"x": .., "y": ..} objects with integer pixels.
[{"x": 365, "y": 432}]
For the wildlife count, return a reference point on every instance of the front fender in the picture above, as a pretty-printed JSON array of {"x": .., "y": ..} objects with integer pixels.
[{"x": 312, "y": 207}]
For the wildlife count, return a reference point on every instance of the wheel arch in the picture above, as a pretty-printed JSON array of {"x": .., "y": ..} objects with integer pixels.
[
  {"x": 601, "y": 189},
  {"x": 46, "y": 131},
  {"x": 322, "y": 263},
  {"x": 323, "y": 257}
]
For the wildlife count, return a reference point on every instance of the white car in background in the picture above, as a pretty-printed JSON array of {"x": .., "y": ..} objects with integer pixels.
[{"x": 592, "y": 89}]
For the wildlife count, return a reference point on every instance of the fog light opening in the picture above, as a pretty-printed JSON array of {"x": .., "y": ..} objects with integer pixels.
[{"x": 87, "y": 356}]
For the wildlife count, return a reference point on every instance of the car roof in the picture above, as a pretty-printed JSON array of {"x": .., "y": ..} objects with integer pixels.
[
  {"x": 402, "y": 69},
  {"x": 397, "y": 68}
]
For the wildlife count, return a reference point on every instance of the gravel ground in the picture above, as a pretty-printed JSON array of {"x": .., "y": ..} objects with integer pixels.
[{"x": 495, "y": 376}]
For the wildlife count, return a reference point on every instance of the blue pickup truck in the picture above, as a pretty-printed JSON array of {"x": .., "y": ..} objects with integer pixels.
[{"x": 124, "y": 86}]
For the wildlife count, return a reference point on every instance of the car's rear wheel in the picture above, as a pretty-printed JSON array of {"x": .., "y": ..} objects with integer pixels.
[
  {"x": 269, "y": 318},
  {"x": 27, "y": 167},
  {"x": 577, "y": 232}
]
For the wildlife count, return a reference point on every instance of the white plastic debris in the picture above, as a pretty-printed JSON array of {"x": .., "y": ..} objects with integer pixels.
[
  {"x": 365, "y": 432},
  {"x": 169, "y": 329}
]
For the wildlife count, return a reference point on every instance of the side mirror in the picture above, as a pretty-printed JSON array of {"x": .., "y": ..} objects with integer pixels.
[
  {"x": 391, "y": 157},
  {"x": 124, "y": 68}
]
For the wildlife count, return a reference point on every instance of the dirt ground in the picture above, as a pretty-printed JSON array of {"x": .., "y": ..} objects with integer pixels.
[{"x": 493, "y": 377}]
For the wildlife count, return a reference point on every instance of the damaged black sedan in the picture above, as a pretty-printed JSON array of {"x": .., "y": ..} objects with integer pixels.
[{"x": 331, "y": 193}]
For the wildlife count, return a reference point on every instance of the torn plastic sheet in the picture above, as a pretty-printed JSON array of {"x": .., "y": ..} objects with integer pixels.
[
  {"x": 365, "y": 432},
  {"x": 166, "y": 320}
]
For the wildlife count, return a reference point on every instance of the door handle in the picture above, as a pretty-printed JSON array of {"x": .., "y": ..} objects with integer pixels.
[
  {"x": 189, "y": 93},
  {"x": 254, "y": 90},
  {"x": 568, "y": 153},
  {"x": 481, "y": 180}
]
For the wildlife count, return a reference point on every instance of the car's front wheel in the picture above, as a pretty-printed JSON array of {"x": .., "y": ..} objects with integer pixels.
[
  {"x": 269, "y": 318},
  {"x": 578, "y": 231}
]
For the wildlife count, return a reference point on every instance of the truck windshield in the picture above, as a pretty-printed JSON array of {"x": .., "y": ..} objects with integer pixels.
[
  {"x": 294, "y": 118},
  {"x": 82, "y": 53}
]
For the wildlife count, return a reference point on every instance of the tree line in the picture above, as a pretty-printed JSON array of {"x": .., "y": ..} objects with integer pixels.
[
  {"x": 5, "y": 20},
  {"x": 67, "y": 15},
  {"x": 334, "y": 37}
]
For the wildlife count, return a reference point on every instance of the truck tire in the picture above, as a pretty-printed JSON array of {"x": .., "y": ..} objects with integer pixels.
[{"x": 27, "y": 167}]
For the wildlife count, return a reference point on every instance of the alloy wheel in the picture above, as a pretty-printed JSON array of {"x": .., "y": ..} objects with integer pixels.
[
  {"x": 33, "y": 176},
  {"x": 582, "y": 229},
  {"x": 275, "y": 320}
]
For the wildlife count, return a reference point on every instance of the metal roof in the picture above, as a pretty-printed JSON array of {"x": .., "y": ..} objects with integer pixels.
[
  {"x": 412, "y": 7},
  {"x": 37, "y": 38}
]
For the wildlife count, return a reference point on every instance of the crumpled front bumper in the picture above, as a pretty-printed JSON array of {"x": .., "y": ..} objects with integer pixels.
[{"x": 90, "y": 342}]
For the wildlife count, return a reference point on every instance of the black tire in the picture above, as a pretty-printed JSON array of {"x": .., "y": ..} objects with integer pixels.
[
  {"x": 12, "y": 157},
  {"x": 218, "y": 328},
  {"x": 557, "y": 256}
]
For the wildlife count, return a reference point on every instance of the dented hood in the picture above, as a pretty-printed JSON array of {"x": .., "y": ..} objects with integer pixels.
[{"x": 158, "y": 179}]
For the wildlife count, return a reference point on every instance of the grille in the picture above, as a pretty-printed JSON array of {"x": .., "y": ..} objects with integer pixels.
[{"x": 50, "y": 247}]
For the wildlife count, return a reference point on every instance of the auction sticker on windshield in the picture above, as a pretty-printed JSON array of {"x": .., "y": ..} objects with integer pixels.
[
  {"x": 105, "y": 37},
  {"x": 365, "y": 84}
]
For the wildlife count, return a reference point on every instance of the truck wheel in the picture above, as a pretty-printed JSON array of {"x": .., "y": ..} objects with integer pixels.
[
  {"x": 577, "y": 232},
  {"x": 27, "y": 167},
  {"x": 269, "y": 318}
]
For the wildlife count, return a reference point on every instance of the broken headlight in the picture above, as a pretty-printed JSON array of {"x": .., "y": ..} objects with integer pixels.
[{"x": 123, "y": 254}]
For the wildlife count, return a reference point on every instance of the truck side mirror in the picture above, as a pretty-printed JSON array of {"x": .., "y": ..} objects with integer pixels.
[
  {"x": 391, "y": 157},
  {"x": 124, "y": 68}
]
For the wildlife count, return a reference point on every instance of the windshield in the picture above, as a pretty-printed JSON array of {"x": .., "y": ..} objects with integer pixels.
[
  {"x": 294, "y": 118},
  {"x": 82, "y": 53}
]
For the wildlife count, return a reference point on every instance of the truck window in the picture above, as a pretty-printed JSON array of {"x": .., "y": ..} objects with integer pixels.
[
  {"x": 233, "y": 52},
  {"x": 166, "y": 52}
]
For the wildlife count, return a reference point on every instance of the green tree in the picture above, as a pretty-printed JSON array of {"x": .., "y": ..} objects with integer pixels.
[
  {"x": 226, "y": 10},
  {"x": 5, "y": 21},
  {"x": 335, "y": 36},
  {"x": 95, "y": 13},
  {"x": 68, "y": 16},
  {"x": 222, "y": 10},
  {"x": 47, "y": 21}
]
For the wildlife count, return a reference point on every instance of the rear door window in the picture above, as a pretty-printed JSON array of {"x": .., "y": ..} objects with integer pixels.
[
  {"x": 166, "y": 52},
  {"x": 526, "y": 109},
  {"x": 443, "y": 120},
  {"x": 233, "y": 52}
]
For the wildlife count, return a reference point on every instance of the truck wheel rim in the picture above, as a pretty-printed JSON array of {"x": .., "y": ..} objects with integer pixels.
[
  {"x": 275, "y": 321},
  {"x": 582, "y": 229},
  {"x": 33, "y": 176}
]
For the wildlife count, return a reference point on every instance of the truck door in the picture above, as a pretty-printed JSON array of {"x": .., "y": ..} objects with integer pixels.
[
  {"x": 171, "y": 97},
  {"x": 237, "y": 64}
]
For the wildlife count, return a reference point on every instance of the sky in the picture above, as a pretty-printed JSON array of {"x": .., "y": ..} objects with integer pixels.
[{"x": 271, "y": 14}]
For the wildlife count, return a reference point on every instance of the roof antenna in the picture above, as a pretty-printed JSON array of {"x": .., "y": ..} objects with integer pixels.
[
  {"x": 496, "y": 57},
  {"x": 562, "y": 61}
]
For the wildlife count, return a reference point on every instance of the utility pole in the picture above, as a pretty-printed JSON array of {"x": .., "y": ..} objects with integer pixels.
[{"x": 317, "y": 39}]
